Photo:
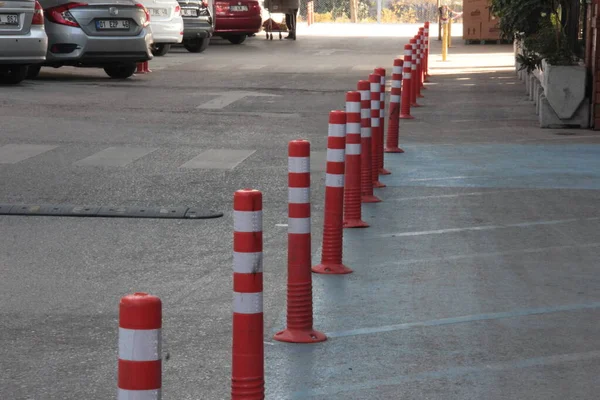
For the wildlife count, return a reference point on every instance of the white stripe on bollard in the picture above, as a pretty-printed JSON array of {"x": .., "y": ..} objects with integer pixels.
[{"x": 247, "y": 221}]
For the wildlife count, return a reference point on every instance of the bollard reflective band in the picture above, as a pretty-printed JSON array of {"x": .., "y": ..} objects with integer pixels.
[
  {"x": 334, "y": 180},
  {"x": 353, "y": 149},
  {"x": 247, "y": 221},
  {"x": 139, "y": 345},
  {"x": 247, "y": 303},
  {"x": 335, "y": 155},
  {"x": 298, "y": 165},
  {"x": 299, "y": 226},
  {"x": 299, "y": 195},
  {"x": 337, "y": 130},
  {"x": 247, "y": 263},
  {"x": 406, "y": 75}
]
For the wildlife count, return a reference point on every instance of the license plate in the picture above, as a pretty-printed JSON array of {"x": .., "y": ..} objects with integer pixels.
[
  {"x": 189, "y": 13},
  {"x": 108, "y": 24},
  {"x": 9, "y": 19},
  {"x": 159, "y": 12},
  {"x": 238, "y": 8}
]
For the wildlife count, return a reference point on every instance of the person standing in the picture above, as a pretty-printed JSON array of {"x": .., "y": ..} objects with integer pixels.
[{"x": 291, "y": 13}]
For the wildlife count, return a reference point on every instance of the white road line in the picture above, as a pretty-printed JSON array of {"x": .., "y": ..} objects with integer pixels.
[
  {"x": 226, "y": 98},
  {"x": 450, "y": 196},
  {"x": 14, "y": 153},
  {"x": 459, "y": 257},
  {"x": 218, "y": 159},
  {"x": 115, "y": 156},
  {"x": 251, "y": 67},
  {"x": 486, "y": 227},
  {"x": 364, "y": 67}
]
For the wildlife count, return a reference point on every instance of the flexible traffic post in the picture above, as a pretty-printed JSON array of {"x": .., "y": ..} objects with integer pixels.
[
  {"x": 333, "y": 230},
  {"x": 140, "y": 369},
  {"x": 419, "y": 66},
  {"x": 427, "y": 51},
  {"x": 352, "y": 184},
  {"x": 299, "y": 286},
  {"x": 414, "y": 74},
  {"x": 382, "y": 73},
  {"x": 406, "y": 84},
  {"x": 247, "y": 367},
  {"x": 394, "y": 109},
  {"x": 366, "y": 165},
  {"x": 422, "y": 58},
  {"x": 375, "y": 80}
]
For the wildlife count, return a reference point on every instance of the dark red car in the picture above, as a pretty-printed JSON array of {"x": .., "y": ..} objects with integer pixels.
[{"x": 236, "y": 19}]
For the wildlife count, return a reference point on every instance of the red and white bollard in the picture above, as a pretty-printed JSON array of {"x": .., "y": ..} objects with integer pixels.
[
  {"x": 352, "y": 178},
  {"x": 333, "y": 233},
  {"x": 247, "y": 367},
  {"x": 426, "y": 64},
  {"x": 143, "y": 68},
  {"x": 394, "y": 112},
  {"x": 140, "y": 366},
  {"x": 299, "y": 287},
  {"x": 406, "y": 84},
  {"x": 381, "y": 72},
  {"x": 375, "y": 81},
  {"x": 366, "y": 163},
  {"x": 414, "y": 74},
  {"x": 421, "y": 54}
]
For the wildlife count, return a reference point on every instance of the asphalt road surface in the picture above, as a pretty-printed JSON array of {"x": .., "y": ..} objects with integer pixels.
[
  {"x": 189, "y": 134},
  {"x": 477, "y": 279}
]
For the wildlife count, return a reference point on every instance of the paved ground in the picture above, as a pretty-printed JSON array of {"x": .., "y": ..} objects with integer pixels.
[{"x": 477, "y": 280}]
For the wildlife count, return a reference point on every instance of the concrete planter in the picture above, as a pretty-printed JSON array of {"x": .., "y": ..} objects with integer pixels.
[{"x": 563, "y": 102}]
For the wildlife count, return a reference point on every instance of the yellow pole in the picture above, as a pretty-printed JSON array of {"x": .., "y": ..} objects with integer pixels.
[
  {"x": 450, "y": 31},
  {"x": 445, "y": 41}
]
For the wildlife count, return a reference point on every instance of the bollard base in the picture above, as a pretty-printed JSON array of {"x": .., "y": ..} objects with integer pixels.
[
  {"x": 331, "y": 269},
  {"x": 355, "y": 223},
  {"x": 421, "y": 96},
  {"x": 406, "y": 116},
  {"x": 383, "y": 171},
  {"x": 393, "y": 150},
  {"x": 300, "y": 336},
  {"x": 379, "y": 185},
  {"x": 416, "y": 105},
  {"x": 370, "y": 199}
]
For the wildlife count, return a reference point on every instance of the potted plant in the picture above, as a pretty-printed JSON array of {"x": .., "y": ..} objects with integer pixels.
[{"x": 547, "y": 51}]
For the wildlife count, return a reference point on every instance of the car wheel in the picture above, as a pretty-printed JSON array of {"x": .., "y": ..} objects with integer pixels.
[
  {"x": 121, "y": 71},
  {"x": 237, "y": 39},
  {"x": 33, "y": 71},
  {"x": 160, "y": 49},
  {"x": 196, "y": 45},
  {"x": 13, "y": 74}
]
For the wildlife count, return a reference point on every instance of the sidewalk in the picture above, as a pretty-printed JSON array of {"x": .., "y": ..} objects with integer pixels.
[{"x": 478, "y": 278}]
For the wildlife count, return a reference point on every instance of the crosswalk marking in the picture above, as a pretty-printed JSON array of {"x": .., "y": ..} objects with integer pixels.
[
  {"x": 218, "y": 159},
  {"x": 251, "y": 67},
  {"x": 115, "y": 156},
  {"x": 14, "y": 153}
]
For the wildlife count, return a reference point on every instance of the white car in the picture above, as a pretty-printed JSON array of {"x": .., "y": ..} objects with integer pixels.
[{"x": 166, "y": 23}]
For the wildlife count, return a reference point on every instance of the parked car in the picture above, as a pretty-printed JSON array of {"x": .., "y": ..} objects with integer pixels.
[
  {"x": 236, "y": 19},
  {"x": 109, "y": 34},
  {"x": 166, "y": 23},
  {"x": 198, "y": 24},
  {"x": 23, "y": 40}
]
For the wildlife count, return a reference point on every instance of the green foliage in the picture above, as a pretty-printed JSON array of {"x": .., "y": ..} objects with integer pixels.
[
  {"x": 537, "y": 23},
  {"x": 520, "y": 17}
]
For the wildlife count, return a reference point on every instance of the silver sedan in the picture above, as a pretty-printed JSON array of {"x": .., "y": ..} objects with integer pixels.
[
  {"x": 23, "y": 40},
  {"x": 109, "y": 34}
]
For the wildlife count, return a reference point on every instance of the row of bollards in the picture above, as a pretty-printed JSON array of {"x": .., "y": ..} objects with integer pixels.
[{"x": 355, "y": 160}]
